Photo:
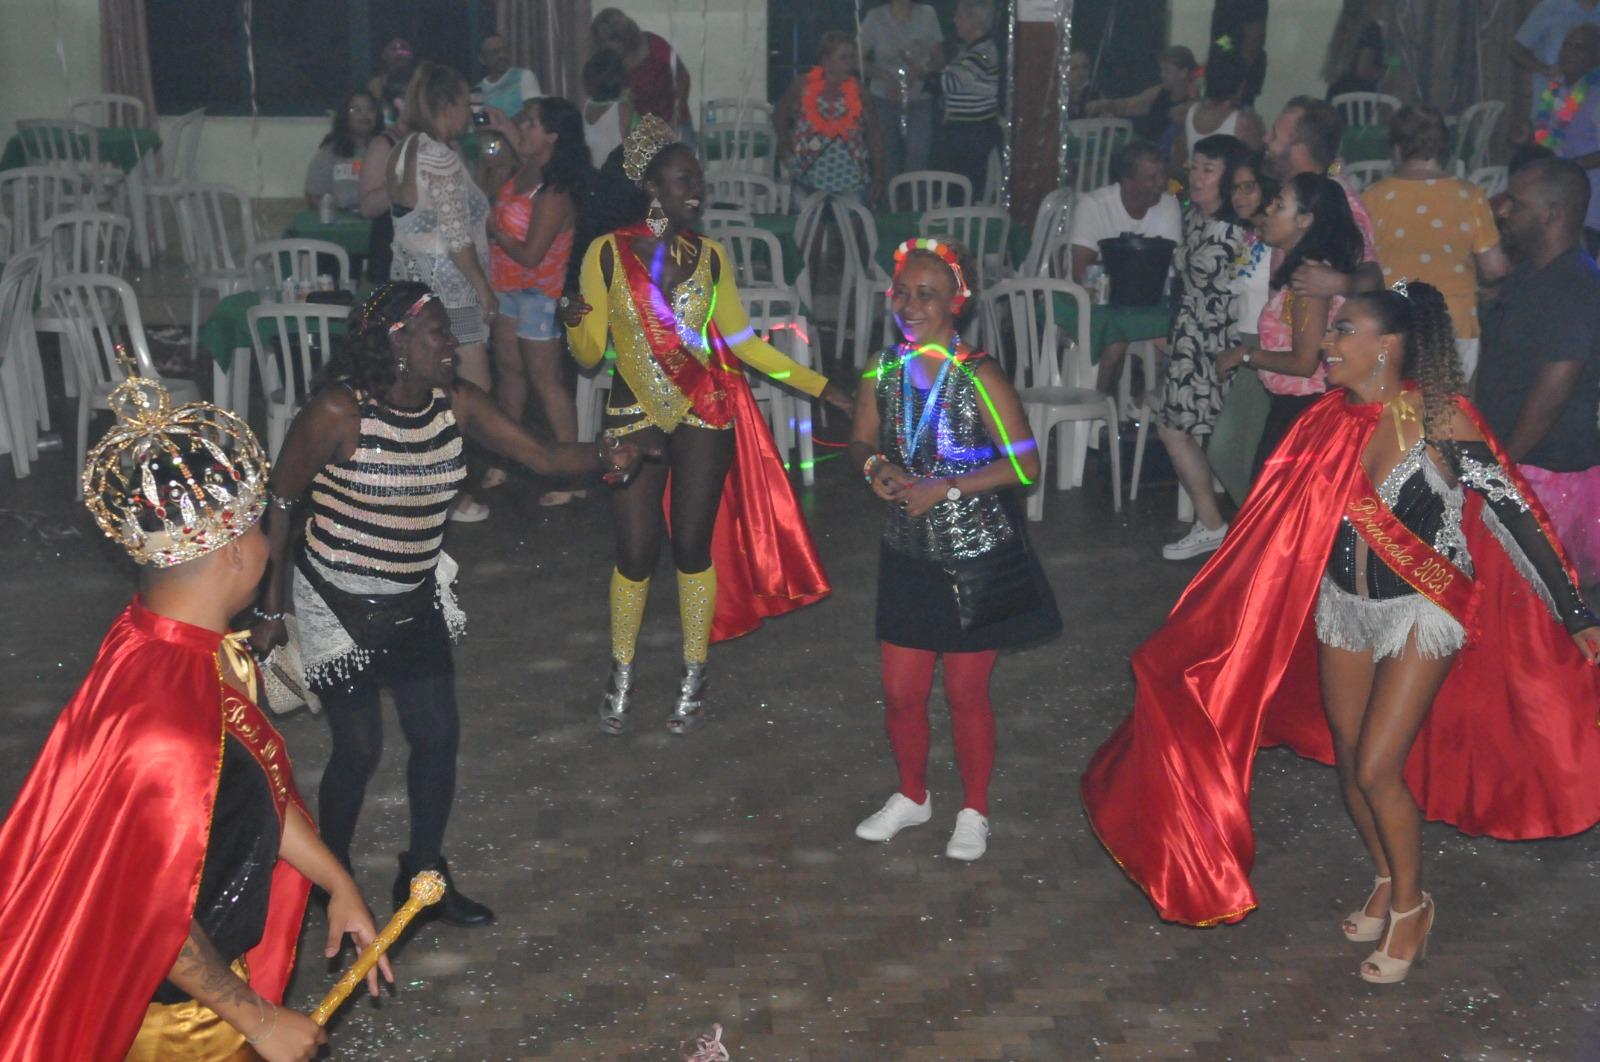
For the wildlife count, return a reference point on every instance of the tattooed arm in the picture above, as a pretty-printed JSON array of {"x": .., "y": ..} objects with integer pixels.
[{"x": 277, "y": 1033}]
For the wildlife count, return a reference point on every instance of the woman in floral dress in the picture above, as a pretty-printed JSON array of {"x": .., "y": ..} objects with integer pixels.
[
  {"x": 827, "y": 138},
  {"x": 1202, "y": 328}
]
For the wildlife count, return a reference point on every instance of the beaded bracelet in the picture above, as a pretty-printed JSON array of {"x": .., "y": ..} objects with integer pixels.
[
  {"x": 269, "y": 617},
  {"x": 872, "y": 466}
]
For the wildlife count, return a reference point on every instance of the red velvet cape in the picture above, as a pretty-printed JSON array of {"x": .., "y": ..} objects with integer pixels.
[
  {"x": 765, "y": 559},
  {"x": 100, "y": 856},
  {"x": 1510, "y": 748}
]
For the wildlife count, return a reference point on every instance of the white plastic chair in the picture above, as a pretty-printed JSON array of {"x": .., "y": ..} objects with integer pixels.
[
  {"x": 984, "y": 231},
  {"x": 57, "y": 142},
  {"x": 715, "y": 219},
  {"x": 102, "y": 314},
  {"x": 731, "y": 111},
  {"x": 1492, "y": 179},
  {"x": 160, "y": 179},
  {"x": 1474, "y": 133},
  {"x": 291, "y": 342},
  {"x": 923, "y": 190},
  {"x": 108, "y": 110},
  {"x": 1054, "y": 219},
  {"x": 274, "y": 261},
  {"x": 209, "y": 215},
  {"x": 754, "y": 192},
  {"x": 22, "y": 392},
  {"x": 32, "y": 195},
  {"x": 756, "y": 256},
  {"x": 1095, "y": 141},
  {"x": 775, "y": 314},
  {"x": 80, "y": 241},
  {"x": 863, "y": 287},
  {"x": 1363, "y": 175},
  {"x": 1054, "y": 378},
  {"x": 994, "y": 180},
  {"x": 738, "y": 147},
  {"x": 1366, "y": 108},
  {"x": 810, "y": 226}
]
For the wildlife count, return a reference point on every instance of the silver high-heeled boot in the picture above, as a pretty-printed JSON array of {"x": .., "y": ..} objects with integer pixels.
[
  {"x": 618, "y": 698},
  {"x": 689, "y": 712}
]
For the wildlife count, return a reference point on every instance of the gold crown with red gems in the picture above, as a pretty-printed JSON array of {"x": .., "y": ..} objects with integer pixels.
[{"x": 195, "y": 472}]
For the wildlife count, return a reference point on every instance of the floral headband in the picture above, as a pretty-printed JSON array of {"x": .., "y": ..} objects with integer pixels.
[
  {"x": 376, "y": 298},
  {"x": 945, "y": 253}
]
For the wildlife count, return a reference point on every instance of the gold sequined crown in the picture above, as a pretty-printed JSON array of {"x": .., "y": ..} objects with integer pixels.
[
  {"x": 647, "y": 140},
  {"x": 163, "y": 483}
]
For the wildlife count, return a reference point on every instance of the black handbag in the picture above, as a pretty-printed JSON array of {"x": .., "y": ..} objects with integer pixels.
[
  {"x": 371, "y": 620},
  {"x": 996, "y": 586}
]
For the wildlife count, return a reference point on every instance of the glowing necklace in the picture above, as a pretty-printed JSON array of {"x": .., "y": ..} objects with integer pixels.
[
  {"x": 909, "y": 436},
  {"x": 1550, "y": 122}
]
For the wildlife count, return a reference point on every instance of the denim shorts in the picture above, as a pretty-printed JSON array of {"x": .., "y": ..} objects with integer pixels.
[{"x": 534, "y": 312}]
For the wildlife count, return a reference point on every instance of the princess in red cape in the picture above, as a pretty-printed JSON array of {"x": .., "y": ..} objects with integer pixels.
[
  {"x": 671, "y": 312},
  {"x": 1391, "y": 600}
]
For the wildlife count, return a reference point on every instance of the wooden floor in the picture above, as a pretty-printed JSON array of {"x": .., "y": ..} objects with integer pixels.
[{"x": 648, "y": 886}]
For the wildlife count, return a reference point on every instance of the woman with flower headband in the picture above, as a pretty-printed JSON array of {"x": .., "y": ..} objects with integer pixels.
[
  {"x": 376, "y": 455},
  {"x": 943, "y": 439},
  {"x": 154, "y": 868},
  {"x": 828, "y": 140},
  {"x": 1391, "y": 600},
  {"x": 670, "y": 308}
]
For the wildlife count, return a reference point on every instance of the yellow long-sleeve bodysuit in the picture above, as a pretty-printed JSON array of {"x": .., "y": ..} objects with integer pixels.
[{"x": 693, "y": 302}]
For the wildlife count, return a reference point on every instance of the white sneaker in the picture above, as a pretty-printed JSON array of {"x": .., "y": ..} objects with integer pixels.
[
  {"x": 469, "y": 511},
  {"x": 899, "y": 812},
  {"x": 971, "y": 837},
  {"x": 1198, "y": 541}
]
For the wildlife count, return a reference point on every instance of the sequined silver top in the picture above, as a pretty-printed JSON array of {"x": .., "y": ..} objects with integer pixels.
[
  {"x": 956, "y": 442},
  {"x": 1424, "y": 502}
]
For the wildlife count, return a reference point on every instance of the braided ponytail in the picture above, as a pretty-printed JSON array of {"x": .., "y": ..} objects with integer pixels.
[{"x": 1422, "y": 318}]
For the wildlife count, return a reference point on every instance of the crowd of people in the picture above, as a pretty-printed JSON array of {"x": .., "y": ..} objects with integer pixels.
[{"x": 1399, "y": 588}]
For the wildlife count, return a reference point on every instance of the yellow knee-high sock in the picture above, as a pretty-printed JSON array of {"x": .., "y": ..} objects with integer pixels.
[
  {"x": 627, "y": 614},
  {"x": 697, "y": 603}
]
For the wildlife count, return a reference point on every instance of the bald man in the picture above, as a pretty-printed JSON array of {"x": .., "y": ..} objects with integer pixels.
[{"x": 1539, "y": 369}]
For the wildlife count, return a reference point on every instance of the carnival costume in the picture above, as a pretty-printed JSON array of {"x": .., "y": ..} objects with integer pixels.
[
  {"x": 160, "y": 795},
  {"x": 679, "y": 353},
  {"x": 1509, "y": 748}
]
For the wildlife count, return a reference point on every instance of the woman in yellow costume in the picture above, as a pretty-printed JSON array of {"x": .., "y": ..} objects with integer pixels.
[{"x": 672, "y": 312}]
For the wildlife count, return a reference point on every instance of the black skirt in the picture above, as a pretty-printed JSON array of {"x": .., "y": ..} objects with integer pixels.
[{"x": 917, "y": 610}]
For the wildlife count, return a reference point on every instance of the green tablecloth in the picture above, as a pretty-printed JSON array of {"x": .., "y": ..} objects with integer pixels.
[
  {"x": 124, "y": 147},
  {"x": 760, "y": 145},
  {"x": 228, "y": 328},
  {"x": 1365, "y": 143},
  {"x": 350, "y": 231},
  {"x": 1115, "y": 324}
]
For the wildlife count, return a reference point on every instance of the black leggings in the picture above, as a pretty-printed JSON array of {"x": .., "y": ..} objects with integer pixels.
[
  {"x": 698, "y": 459},
  {"x": 419, "y": 673}
]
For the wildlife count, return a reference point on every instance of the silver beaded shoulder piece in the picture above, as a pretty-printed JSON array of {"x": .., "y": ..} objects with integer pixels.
[{"x": 1490, "y": 480}]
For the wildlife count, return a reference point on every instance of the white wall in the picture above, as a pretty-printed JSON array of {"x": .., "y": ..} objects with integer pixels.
[
  {"x": 1297, "y": 41},
  {"x": 722, "y": 42}
]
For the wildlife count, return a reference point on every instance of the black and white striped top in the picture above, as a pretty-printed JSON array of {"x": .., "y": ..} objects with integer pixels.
[
  {"x": 971, "y": 83},
  {"x": 381, "y": 513}
]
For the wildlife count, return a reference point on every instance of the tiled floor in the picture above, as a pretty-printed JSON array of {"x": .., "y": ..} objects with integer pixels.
[{"x": 648, "y": 886}]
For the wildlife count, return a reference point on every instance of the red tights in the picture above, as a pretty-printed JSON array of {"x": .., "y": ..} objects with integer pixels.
[{"x": 907, "y": 681}]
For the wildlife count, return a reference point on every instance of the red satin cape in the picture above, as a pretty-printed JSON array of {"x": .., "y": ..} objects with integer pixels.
[
  {"x": 766, "y": 562},
  {"x": 100, "y": 856},
  {"x": 1510, "y": 748}
]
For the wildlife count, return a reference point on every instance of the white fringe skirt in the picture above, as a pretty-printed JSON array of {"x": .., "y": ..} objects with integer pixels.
[{"x": 1350, "y": 621}]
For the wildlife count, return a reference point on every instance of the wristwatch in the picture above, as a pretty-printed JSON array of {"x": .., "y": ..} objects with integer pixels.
[
  {"x": 953, "y": 493},
  {"x": 1248, "y": 353}
]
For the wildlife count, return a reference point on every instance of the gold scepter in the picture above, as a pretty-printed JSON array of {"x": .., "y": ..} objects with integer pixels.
[{"x": 426, "y": 888}]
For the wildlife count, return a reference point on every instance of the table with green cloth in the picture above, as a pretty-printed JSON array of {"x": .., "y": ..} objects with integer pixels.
[
  {"x": 123, "y": 147},
  {"x": 225, "y": 338},
  {"x": 1368, "y": 143},
  {"x": 350, "y": 231},
  {"x": 760, "y": 145},
  {"x": 1114, "y": 324}
]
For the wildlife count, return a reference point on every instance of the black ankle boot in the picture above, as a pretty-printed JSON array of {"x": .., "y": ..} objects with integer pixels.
[{"x": 455, "y": 909}]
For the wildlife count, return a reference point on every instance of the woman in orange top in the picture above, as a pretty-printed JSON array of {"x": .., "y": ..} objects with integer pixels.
[
  {"x": 530, "y": 234},
  {"x": 1434, "y": 227}
]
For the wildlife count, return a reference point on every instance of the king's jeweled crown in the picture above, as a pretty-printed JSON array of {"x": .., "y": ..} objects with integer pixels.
[{"x": 172, "y": 484}]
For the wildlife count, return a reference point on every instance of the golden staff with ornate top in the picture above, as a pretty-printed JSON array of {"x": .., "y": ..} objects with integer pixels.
[{"x": 426, "y": 888}]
